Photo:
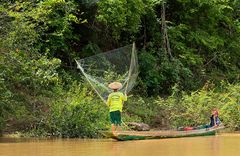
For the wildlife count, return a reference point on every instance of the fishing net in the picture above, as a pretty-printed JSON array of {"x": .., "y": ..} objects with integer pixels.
[{"x": 119, "y": 65}]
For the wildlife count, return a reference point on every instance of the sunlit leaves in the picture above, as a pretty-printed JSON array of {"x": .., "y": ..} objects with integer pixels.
[
  {"x": 41, "y": 26},
  {"x": 195, "y": 109}
]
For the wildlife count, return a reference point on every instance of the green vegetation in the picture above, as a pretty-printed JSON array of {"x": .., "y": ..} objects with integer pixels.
[
  {"x": 42, "y": 92},
  {"x": 181, "y": 109}
]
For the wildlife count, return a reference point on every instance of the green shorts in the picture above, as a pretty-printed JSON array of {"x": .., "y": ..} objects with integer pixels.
[{"x": 115, "y": 117}]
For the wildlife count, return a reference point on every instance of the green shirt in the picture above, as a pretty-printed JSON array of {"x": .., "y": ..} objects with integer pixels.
[{"x": 115, "y": 101}]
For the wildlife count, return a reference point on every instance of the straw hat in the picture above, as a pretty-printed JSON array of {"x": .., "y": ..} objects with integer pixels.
[{"x": 115, "y": 85}]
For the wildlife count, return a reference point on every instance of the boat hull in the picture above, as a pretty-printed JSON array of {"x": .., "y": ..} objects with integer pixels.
[{"x": 143, "y": 135}]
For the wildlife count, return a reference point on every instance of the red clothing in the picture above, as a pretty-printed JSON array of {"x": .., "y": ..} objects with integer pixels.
[{"x": 188, "y": 128}]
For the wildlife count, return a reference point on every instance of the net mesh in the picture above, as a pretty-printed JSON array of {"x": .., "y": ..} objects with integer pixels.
[{"x": 119, "y": 65}]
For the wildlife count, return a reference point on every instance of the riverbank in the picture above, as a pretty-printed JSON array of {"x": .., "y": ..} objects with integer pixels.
[
  {"x": 85, "y": 115},
  {"x": 19, "y": 135}
]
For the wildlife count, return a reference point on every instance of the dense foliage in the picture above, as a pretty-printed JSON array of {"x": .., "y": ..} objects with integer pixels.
[
  {"x": 181, "y": 109},
  {"x": 42, "y": 92}
]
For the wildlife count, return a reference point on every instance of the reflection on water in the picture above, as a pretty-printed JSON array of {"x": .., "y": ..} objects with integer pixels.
[{"x": 222, "y": 145}]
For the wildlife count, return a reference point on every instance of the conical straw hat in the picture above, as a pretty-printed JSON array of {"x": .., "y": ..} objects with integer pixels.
[{"x": 115, "y": 85}]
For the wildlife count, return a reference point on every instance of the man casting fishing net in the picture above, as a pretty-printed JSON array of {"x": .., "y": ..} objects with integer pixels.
[
  {"x": 119, "y": 65},
  {"x": 115, "y": 104}
]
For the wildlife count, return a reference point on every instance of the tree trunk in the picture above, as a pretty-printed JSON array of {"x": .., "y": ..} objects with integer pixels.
[{"x": 166, "y": 45}]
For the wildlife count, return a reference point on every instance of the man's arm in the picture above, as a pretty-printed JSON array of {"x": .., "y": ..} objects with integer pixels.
[{"x": 124, "y": 97}]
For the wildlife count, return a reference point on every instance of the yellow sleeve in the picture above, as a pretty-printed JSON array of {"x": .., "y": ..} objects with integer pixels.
[{"x": 124, "y": 97}]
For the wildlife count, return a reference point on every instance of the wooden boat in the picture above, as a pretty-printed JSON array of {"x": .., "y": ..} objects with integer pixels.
[{"x": 142, "y": 135}]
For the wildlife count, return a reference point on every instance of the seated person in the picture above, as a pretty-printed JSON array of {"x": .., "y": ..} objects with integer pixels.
[
  {"x": 211, "y": 121},
  {"x": 214, "y": 119}
]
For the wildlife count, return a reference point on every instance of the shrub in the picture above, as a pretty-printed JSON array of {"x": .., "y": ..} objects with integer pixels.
[{"x": 75, "y": 113}]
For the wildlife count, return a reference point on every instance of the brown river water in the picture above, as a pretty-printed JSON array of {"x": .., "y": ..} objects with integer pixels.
[{"x": 219, "y": 145}]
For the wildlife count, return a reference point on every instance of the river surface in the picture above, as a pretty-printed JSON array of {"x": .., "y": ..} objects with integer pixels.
[{"x": 220, "y": 145}]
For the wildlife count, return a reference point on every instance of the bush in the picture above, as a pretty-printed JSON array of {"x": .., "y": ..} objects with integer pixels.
[
  {"x": 195, "y": 109},
  {"x": 145, "y": 110},
  {"x": 230, "y": 110},
  {"x": 75, "y": 113},
  {"x": 182, "y": 109}
]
